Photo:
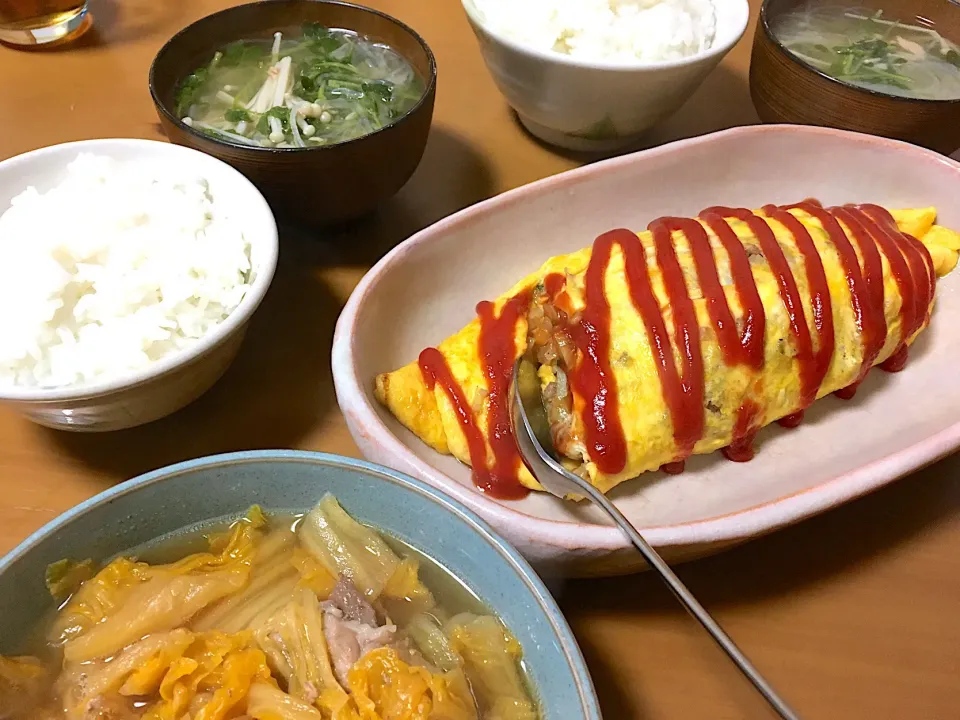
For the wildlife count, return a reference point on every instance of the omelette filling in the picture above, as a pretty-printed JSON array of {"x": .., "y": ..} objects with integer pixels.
[
  {"x": 555, "y": 354},
  {"x": 312, "y": 618}
]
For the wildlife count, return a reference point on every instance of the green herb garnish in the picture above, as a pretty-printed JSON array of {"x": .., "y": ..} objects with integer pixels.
[
  {"x": 240, "y": 53},
  {"x": 190, "y": 90},
  {"x": 872, "y": 61},
  {"x": 237, "y": 115},
  {"x": 280, "y": 113}
]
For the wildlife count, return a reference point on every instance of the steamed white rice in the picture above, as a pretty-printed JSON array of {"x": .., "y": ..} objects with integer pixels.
[
  {"x": 116, "y": 267},
  {"x": 625, "y": 31}
]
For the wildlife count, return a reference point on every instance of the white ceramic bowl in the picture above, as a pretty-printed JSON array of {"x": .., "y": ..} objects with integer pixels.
[
  {"x": 178, "y": 379},
  {"x": 598, "y": 106},
  {"x": 428, "y": 286}
]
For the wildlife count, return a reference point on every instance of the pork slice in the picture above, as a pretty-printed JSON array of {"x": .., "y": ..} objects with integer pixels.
[
  {"x": 371, "y": 638},
  {"x": 352, "y": 603},
  {"x": 342, "y": 643},
  {"x": 351, "y": 629},
  {"x": 349, "y": 640}
]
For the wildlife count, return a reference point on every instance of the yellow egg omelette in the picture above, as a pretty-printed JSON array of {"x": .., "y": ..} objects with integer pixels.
[{"x": 683, "y": 339}]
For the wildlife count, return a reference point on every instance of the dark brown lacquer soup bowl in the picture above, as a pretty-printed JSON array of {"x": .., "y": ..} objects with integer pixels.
[
  {"x": 317, "y": 185},
  {"x": 786, "y": 89}
]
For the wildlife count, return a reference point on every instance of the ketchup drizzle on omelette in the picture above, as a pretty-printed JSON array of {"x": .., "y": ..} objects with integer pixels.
[
  {"x": 688, "y": 421},
  {"x": 744, "y": 431},
  {"x": 497, "y": 346},
  {"x": 435, "y": 369},
  {"x": 814, "y": 367},
  {"x": 792, "y": 420},
  {"x": 498, "y": 352},
  {"x": 593, "y": 377},
  {"x": 866, "y": 285},
  {"x": 754, "y": 319}
]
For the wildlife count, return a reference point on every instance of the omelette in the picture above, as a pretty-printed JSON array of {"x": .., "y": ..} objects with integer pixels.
[{"x": 684, "y": 339}]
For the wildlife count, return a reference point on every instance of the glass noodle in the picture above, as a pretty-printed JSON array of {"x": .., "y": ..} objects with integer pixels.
[
  {"x": 868, "y": 49},
  {"x": 320, "y": 618},
  {"x": 324, "y": 87}
]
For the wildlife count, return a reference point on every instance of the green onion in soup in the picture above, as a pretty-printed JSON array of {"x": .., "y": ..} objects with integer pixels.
[{"x": 325, "y": 87}]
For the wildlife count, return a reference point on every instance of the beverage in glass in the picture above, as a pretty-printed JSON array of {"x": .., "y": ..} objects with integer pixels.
[{"x": 39, "y": 22}]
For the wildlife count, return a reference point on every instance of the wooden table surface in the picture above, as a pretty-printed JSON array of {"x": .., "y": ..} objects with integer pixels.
[{"x": 855, "y": 614}]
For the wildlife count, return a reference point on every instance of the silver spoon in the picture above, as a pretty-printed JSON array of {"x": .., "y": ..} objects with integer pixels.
[{"x": 532, "y": 439}]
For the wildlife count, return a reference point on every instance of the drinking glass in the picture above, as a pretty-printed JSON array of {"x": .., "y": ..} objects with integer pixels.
[{"x": 39, "y": 22}]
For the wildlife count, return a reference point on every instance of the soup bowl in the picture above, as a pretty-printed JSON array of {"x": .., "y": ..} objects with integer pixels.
[
  {"x": 785, "y": 89},
  {"x": 210, "y": 491},
  {"x": 318, "y": 185}
]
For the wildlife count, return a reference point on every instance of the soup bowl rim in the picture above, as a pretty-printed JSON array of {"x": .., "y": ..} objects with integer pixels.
[
  {"x": 428, "y": 90},
  {"x": 548, "y": 606},
  {"x": 764, "y": 22}
]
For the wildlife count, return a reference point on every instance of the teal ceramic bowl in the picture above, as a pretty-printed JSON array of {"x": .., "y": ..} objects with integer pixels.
[{"x": 215, "y": 489}]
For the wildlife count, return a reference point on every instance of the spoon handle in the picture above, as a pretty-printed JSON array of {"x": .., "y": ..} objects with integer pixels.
[{"x": 692, "y": 606}]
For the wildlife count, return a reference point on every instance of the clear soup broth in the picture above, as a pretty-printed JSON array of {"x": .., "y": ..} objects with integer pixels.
[
  {"x": 900, "y": 56},
  {"x": 320, "y": 87},
  {"x": 275, "y": 617}
]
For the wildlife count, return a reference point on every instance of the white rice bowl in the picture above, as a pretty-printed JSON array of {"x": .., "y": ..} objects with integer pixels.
[
  {"x": 120, "y": 265},
  {"x": 619, "y": 31}
]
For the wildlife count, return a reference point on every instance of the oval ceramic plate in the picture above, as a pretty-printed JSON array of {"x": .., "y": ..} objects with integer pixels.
[{"x": 427, "y": 288}]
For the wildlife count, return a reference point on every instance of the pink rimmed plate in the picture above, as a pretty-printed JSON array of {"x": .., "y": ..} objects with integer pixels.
[{"x": 427, "y": 288}]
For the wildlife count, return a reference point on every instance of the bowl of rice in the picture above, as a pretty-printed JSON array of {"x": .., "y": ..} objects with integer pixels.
[
  {"x": 132, "y": 268},
  {"x": 596, "y": 74}
]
